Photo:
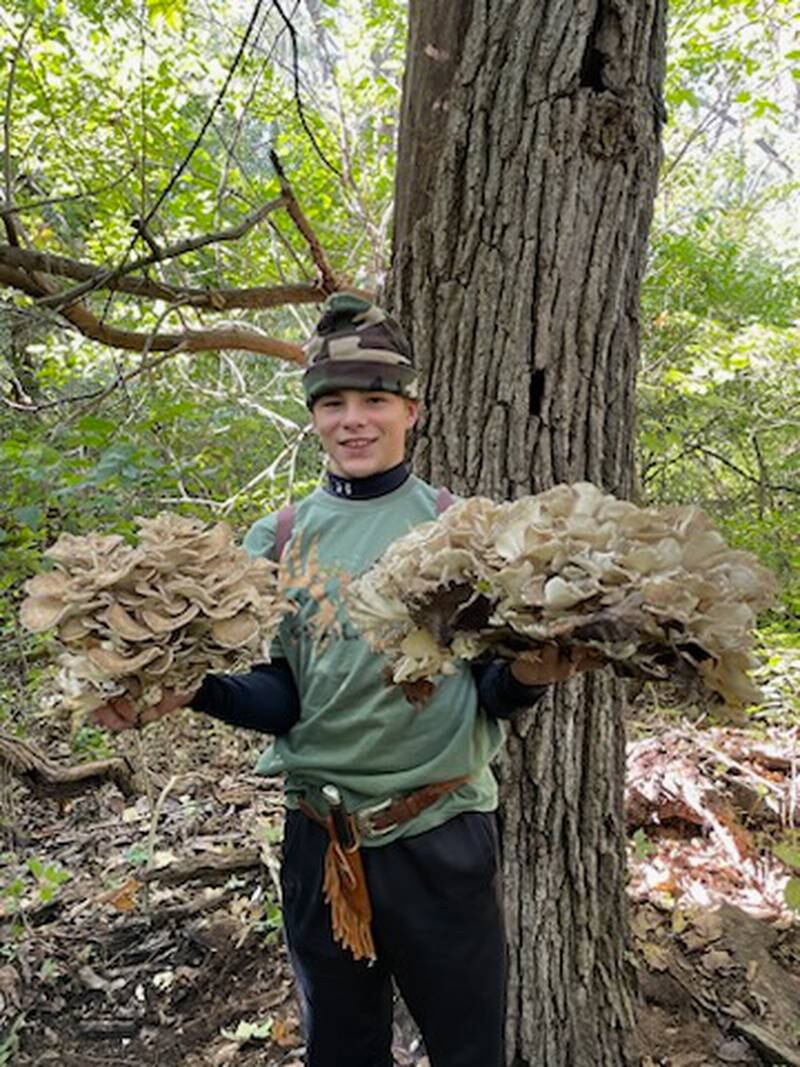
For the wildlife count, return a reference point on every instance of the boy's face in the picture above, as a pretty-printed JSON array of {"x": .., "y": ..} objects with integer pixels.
[{"x": 363, "y": 433}]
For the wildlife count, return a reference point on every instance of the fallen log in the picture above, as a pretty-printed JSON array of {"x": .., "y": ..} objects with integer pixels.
[
  {"x": 767, "y": 1043},
  {"x": 47, "y": 779},
  {"x": 208, "y": 867}
]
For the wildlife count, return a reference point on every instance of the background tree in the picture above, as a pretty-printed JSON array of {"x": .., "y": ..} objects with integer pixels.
[
  {"x": 719, "y": 407},
  {"x": 529, "y": 150}
]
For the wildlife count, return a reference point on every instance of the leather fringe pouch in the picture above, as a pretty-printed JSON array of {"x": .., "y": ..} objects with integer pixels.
[{"x": 345, "y": 890}]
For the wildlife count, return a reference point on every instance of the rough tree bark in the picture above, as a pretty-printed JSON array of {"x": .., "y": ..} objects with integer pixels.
[{"x": 529, "y": 149}]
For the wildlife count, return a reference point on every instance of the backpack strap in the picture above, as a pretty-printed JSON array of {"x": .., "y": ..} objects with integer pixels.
[
  {"x": 444, "y": 498},
  {"x": 283, "y": 530}
]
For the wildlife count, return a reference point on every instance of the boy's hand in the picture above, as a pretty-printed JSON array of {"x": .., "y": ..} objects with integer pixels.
[
  {"x": 120, "y": 714},
  {"x": 549, "y": 663}
]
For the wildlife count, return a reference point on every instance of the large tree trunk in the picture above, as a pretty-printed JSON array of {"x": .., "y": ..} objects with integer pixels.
[{"x": 529, "y": 149}]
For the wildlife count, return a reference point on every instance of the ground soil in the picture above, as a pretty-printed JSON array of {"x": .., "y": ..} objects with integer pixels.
[{"x": 148, "y": 954}]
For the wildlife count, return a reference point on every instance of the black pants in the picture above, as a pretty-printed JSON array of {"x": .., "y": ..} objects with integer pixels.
[{"x": 438, "y": 929}]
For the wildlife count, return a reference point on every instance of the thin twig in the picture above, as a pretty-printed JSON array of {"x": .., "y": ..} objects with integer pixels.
[
  {"x": 12, "y": 73},
  {"x": 298, "y": 101},
  {"x": 742, "y": 473}
]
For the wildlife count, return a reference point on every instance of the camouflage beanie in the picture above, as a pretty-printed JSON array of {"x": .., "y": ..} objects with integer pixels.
[{"x": 357, "y": 345}]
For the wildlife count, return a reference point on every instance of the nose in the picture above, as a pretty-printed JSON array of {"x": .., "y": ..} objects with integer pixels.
[{"x": 353, "y": 414}]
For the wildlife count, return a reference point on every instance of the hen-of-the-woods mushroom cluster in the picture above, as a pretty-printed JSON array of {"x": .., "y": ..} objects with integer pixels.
[
  {"x": 129, "y": 620},
  {"x": 658, "y": 593}
]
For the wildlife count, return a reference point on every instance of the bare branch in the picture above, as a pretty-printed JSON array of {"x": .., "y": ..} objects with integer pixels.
[
  {"x": 259, "y": 296},
  {"x": 328, "y": 279},
  {"x": 743, "y": 473},
  {"x": 48, "y": 779},
  {"x": 217, "y": 339},
  {"x": 296, "y": 74}
]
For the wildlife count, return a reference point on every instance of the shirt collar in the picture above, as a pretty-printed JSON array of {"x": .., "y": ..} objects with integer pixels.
[{"x": 366, "y": 488}]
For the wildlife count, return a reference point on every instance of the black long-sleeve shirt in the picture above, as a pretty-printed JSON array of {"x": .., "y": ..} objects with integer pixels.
[{"x": 266, "y": 698}]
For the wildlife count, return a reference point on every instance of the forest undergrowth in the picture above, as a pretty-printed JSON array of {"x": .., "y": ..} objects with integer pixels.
[{"x": 146, "y": 929}]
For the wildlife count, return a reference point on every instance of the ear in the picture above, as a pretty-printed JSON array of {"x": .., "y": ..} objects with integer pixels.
[{"x": 412, "y": 413}]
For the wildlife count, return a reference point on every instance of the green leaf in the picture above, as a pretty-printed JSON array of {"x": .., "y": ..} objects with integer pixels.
[
  {"x": 642, "y": 846},
  {"x": 788, "y": 854},
  {"x": 170, "y": 12},
  {"x": 94, "y": 430},
  {"x": 28, "y": 515},
  {"x": 249, "y": 1032},
  {"x": 56, "y": 875},
  {"x": 35, "y": 866},
  {"x": 791, "y": 894},
  {"x": 138, "y": 855}
]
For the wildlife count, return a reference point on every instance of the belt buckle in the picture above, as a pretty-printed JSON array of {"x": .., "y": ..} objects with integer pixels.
[{"x": 363, "y": 819}]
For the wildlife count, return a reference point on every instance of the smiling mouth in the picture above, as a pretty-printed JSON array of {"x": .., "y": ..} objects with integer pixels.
[{"x": 357, "y": 443}]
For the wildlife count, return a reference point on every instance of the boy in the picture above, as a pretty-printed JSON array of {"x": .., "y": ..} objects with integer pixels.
[{"x": 390, "y": 857}]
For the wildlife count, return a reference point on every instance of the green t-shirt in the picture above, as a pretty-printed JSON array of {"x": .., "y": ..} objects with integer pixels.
[{"x": 356, "y": 730}]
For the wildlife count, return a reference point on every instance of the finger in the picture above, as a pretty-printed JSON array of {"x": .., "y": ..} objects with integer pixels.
[
  {"x": 106, "y": 716},
  {"x": 153, "y": 714},
  {"x": 123, "y": 707}
]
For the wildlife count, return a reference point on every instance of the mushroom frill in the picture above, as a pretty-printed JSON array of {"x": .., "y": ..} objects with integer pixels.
[
  {"x": 656, "y": 592},
  {"x": 129, "y": 620}
]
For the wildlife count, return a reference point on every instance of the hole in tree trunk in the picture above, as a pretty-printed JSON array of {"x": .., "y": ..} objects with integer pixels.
[{"x": 536, "y": 392}]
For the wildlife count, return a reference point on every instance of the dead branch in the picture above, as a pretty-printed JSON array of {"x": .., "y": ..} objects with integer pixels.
[
  {"x": 259, "y": 296},
  {"x": 217, "y": 339},
  {"x": 765, "y": 784},
  {"x": 207, "y": 867},
  {"x": 328, "y": 279},
  {"x": 47, "y": 779},
  {"x": 198, "y": 906}
]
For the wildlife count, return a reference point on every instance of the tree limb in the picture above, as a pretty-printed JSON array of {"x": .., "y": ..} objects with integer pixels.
[
  {"x": 258, "y": 296},
  {"x": 46, "y": 779},
  {"x": 216, "y": 339}
]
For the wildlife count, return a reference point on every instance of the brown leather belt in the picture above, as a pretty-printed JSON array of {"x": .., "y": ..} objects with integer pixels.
[
  {"x": 379, "y": 819},
  {"x": 375, "y": 820}
]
